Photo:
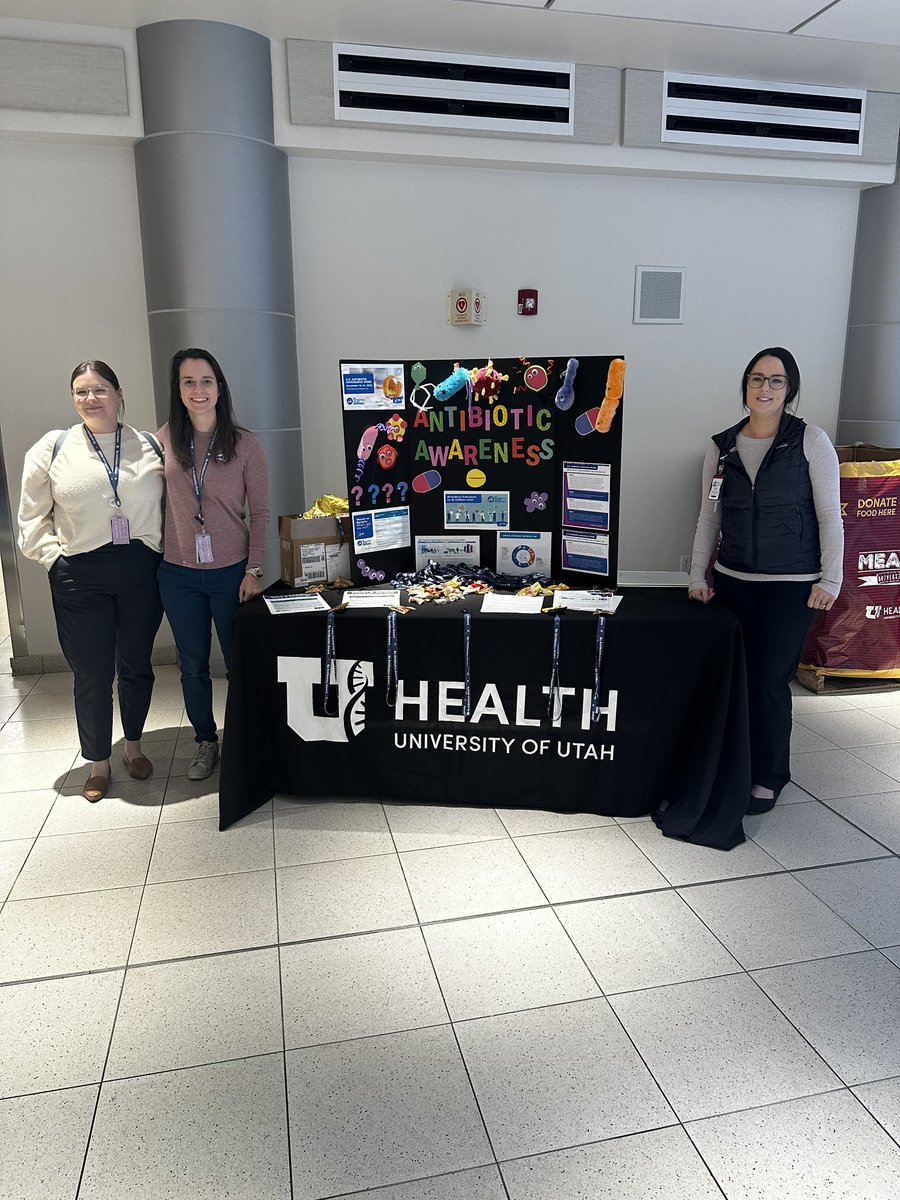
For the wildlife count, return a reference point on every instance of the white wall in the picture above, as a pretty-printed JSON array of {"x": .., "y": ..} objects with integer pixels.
[
  {"x": 73, "y": 288},
  {"x": 378, "y": 245}
]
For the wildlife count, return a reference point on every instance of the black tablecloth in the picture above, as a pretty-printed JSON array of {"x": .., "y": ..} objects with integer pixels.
[{"x": 676, "y": 746}]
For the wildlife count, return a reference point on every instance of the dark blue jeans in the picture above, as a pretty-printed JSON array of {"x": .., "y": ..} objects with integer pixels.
[{"x": 193, "y": 600}]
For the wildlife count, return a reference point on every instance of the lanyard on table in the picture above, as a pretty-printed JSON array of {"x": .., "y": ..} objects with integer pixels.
[
  {"x": 329, "y": 659},
  {"x": 393, "y": 661},
  {"x": 598, "y": 663},
  {"x": 111, "y": 471},
  {"x": 467, "y": 660},
  {"x": 554, "y": 702},
  {"x": 198, "y": 481}
]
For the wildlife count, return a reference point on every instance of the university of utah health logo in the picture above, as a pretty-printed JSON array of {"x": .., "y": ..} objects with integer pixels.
[{"x": 349, "y": 680}]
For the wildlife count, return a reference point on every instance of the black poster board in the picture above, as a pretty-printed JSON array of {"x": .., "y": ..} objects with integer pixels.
[{"x": 512, "y": 464}]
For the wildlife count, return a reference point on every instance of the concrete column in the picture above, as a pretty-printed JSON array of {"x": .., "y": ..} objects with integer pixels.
[
  {"x": 216, "y": 232},
  {"x": 870, "y": 399}
]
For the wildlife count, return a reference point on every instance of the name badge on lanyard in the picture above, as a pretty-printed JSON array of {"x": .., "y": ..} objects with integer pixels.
[
  {"x": 118, "y": 525},
  {"x": 717, "y": 481},
  {"x": 202, "y": 540}
]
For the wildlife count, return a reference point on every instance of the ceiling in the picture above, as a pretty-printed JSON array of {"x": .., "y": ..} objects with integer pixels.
[{"x": 854, "y": 43}]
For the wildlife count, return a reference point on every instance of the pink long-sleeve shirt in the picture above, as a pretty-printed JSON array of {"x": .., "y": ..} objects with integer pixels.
[{"x": 232, "y": 491}]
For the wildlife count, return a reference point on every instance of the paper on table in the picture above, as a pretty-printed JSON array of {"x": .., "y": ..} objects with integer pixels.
[
  {"x": 373, "y": 598},
  {"x": 496, "y": 602},
  {"x": 302, "y": 602},
  {"x": 586, "y": 601}
]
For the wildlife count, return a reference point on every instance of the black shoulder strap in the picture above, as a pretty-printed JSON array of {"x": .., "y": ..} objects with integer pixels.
[
  {"x": 57, "y": 445},
  {"x": 151, "y": 438}
]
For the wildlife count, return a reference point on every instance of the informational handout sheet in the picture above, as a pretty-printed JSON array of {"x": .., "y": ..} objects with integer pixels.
[
  {"x": 583, "y": 551},
  {"x": 523, "y": 553},
  {"x": 373, "y": 598},
  {"x": 384, "y": 530},
  {"x": 373, "y": 386},
  {"x": 295, "y": 603},
  {"x": 497, "y": 602},
  {"x": 455, "y": 550},
  {"x": 586, "y": 601},
  {"x": 485, "y": 510},
  {"x": 586, "y": 494}
]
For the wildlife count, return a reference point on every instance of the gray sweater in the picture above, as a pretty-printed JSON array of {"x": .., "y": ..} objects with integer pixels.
[{"x": 826, "y": 485}]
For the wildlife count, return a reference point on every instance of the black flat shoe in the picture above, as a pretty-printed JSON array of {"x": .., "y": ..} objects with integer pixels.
[{"x": 761, "y": 804}]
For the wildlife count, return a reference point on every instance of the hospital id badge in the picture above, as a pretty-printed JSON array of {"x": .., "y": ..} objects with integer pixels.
[
  {"x": 715, "y": 488},
  {"x": 120, "y": 532},
  {"x": 204, "y": 548}
]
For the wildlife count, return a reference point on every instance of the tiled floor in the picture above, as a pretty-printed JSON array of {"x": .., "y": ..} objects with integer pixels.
[{"x": 411, "y": 1003}]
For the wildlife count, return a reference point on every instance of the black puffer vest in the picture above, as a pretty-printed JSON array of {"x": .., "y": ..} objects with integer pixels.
[{"x": 769, "y": 527}]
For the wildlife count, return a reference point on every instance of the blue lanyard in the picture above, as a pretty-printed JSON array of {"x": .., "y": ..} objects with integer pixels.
[
  {"x": 467, "y": 657},
  {"x": 598, "y": 663},
  {"x": 554, "y": 705},
  {"x": 111, "y": 471},
  {"x": 393, "y": 662},
  {"x": 198, "y": 483},
  {"x": 329, "y": 659}
]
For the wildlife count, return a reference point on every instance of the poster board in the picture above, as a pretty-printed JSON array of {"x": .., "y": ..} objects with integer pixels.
[{"x": 511, "y": 464}]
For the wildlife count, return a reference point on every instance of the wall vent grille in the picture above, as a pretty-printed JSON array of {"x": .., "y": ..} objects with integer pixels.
[
  {"x": 453, "y": 91},
  {"x": 658, "y": 296},
  {"x": 743, "y": 113}
]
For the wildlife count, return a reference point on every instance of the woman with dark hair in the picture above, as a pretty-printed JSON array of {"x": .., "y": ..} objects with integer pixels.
[
  {"x": 771, "y": 500},
  {"x": 91, "y": 512},
  {"x": 216, "y": 473}
]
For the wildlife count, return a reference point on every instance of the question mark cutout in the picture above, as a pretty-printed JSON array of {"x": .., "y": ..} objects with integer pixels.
[
  {"x": 403, "y": 485},
  {"x": 388, "y": 489},
  {"x": 374, "y": 492},
  {"x": 356, "y": 493}
]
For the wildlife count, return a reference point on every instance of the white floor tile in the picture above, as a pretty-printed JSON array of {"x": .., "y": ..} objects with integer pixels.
[
  {"x": 126, "y": 804},
  {"x": 804, "y": 740},
  {"x": 866, "y": 895},
  {"x": 193, "y": 849},
  {"x": 480, "y": 1183},
  {"x": 647, "y": 1166},
  {"x": 199, "y": 1010},
  {"x": 85, "y": 862},
  {"x": 198, "y": 1134},
  {"x": 205, "y": 916},
  {"x": 424, "y": 826},
  {"x": 521, "y": 821},
  {"x": 879, "y": 816},
  {"x": 310, "y": 833},
  {"x": 829, "y": 774},
  {"x": 585, "y": 864},
  {"x": 688, "y": 1031},
  {"x": 548, "y": 1078},
  {"x": 470, "y": 880},
  {"x": 193, "y": 799},
  {"x": 63, "y": 935},
  {"x": 682, "y": 862},
  {"x": 890, "y": 698},
  {"x": 12, "y": 858},
  {"x": 820, "y": 1146},
  {"x": 362, "y": 986},
  {"x": 23, "y": 736},
  {"x": 35, "y": 769},
  {"x": 847, "y": 1008},
  {"x": 809, "y": 835},
  {"x": 34, "y": 1165},
  {"x": 644, "y": 941},
  {"x": 498, "y": 964},
  {"x": 740, "y": 913},
  {"x": 853, "y": 727},
  {"x": 330, "y": 899},
  {"x": 884, "y": 758},
  {"x": 58, "y": 1031},
  {"x": 381, "y": 1110},
  {"x": 882, "y": 1099}
]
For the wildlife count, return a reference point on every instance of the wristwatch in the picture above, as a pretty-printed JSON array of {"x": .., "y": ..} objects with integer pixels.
[{"x": 256, "y": 572}]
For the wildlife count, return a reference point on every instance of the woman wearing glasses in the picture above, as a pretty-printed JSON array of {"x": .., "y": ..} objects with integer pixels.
[
  {"x": 216, "y": 475},
  {"x": 771, "y": 499},
  {"x": 91, "y": 512}
]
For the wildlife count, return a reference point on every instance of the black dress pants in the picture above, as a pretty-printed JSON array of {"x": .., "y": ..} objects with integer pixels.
[
  {"x": 108, "y": 612},
  {"x": 774, "y": 620}
]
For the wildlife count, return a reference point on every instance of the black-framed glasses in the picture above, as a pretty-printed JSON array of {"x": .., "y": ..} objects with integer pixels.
[
  {"x": 775, "y": 382},
  {"x": 82, "y": 393}
]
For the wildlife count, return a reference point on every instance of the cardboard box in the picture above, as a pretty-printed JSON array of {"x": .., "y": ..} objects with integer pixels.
[{"x": 313, "y": 549}]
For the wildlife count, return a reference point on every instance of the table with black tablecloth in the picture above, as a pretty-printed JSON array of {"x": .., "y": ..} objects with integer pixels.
[{"x": 672, "y": 740}]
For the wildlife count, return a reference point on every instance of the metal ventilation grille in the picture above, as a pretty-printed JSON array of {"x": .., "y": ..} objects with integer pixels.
[
  {"x": 455, "y": 91},
  {"x": 658, "y": 296},
  {"x": 742, "y": 113}
]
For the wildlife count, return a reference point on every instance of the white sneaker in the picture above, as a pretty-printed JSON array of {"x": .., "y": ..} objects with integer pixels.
[{"x": 205, "y": 758}]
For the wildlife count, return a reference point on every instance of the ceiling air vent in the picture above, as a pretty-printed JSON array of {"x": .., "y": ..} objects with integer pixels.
[
  {"x": 747, "y": 114},
  {"x": 453, "y": 91}
]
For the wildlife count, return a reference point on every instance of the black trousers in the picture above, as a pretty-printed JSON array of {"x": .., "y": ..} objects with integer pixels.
[
  {"x": 108, "y": 611},
  {"x": 774, "y": 620}
]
